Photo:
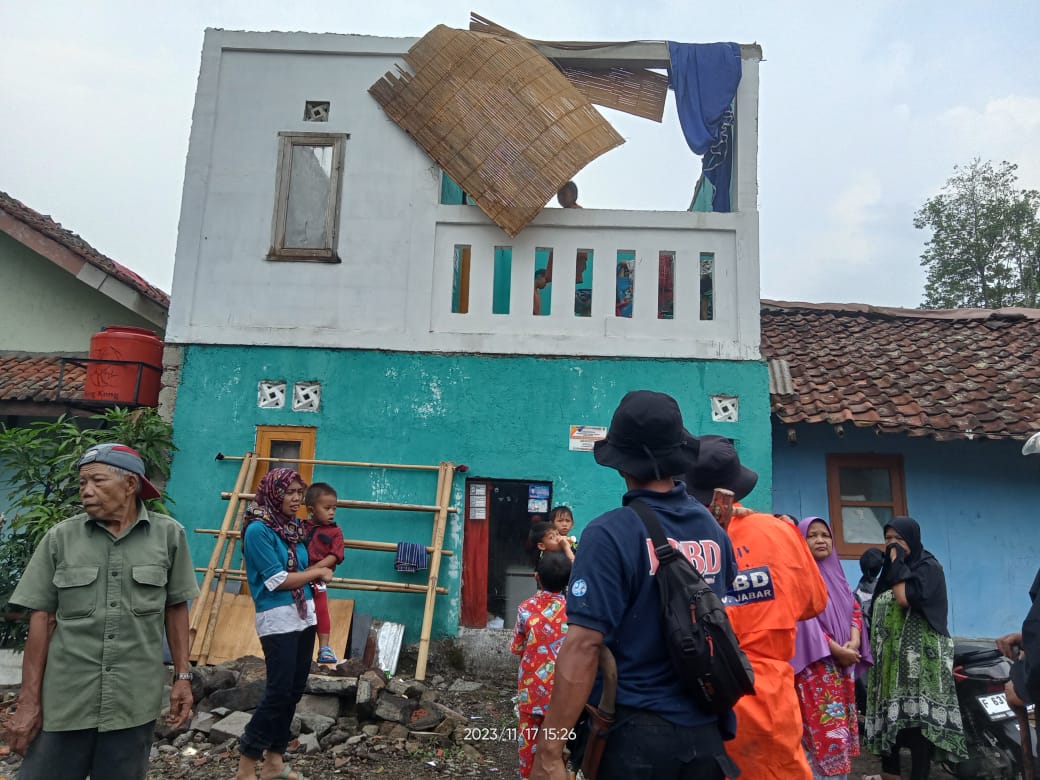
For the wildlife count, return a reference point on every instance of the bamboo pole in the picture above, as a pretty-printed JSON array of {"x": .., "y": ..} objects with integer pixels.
[
  {"x": 347, "y": 583},
  {"x": 444, "y": 480},
  {"x": 229, "y": 554},
  {"x": 199, "y": 607},
  {"x": 350, "y": 503},
  {"x": 222, "y": 456},
  {"x": 352, "y": 544}
]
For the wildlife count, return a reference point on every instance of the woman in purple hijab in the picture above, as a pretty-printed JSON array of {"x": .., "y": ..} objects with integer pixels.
[{"x": 830, "y": 650}]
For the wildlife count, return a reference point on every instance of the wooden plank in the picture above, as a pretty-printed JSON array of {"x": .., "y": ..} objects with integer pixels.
[
  {"x": 352, "y": 544},
  {"x": 354, "y": 504},
  {"x": 235, "y": 632},
  {"x": 444, "y": 480},
  {"x": 346, "y": 583},
  {"x": 229, "y": 554},
  {"x": 341, "y": 612},
  {"x": 203, "y": 604},
  {"x": 222, "y": 456}
]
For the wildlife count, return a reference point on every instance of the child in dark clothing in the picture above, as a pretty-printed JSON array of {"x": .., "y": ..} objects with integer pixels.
[
  {"x": 324, "y": 548},
  {"x": 870, "y": 563}
]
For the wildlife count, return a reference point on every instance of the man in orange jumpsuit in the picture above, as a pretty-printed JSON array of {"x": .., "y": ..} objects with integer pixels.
[{"x": 778, "y": 584}]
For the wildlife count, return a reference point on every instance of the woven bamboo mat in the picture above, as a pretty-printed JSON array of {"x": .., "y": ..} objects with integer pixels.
[
  {"x": 498, "y": 117},
  {"x": 638, "y": 91}
]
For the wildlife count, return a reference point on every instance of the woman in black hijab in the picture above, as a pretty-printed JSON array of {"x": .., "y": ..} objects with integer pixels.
[{"x": 913, "y": 658}]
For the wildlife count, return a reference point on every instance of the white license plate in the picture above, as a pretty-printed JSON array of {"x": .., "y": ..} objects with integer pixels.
[{"x": 996, "y": 706}]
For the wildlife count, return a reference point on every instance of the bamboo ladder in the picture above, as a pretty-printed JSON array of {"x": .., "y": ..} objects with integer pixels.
[
  {"x": 209, "y": 601},
  {"x": 230, "y": 532}
]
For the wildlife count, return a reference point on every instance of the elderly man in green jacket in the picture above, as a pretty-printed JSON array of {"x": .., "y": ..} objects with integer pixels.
[{"x": 102, "y": 586}]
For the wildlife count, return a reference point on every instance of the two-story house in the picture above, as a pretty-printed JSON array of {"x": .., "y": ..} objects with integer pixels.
[{"x": 327, "y": 303}]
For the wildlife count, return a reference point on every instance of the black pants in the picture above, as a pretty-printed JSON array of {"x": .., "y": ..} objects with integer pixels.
[
  {"x": 72, "y": 755},
  {"x": 288, "y": 661},
  {"x": 920, "y": 755},
  {"x": 645, "y": 746}
]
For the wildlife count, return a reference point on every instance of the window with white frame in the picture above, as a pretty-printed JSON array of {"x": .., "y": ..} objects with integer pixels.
[{"x": 306, "y": 209}]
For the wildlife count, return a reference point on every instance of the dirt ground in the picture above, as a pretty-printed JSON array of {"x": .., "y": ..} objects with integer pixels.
[{"x": 489, "y": 708}]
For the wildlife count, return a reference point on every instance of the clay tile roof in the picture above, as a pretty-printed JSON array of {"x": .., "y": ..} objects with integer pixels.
[
  {"x": 35, "y": 378},
  {"x": 53, "y": 230},
  {"x": 946, "y": 374}
]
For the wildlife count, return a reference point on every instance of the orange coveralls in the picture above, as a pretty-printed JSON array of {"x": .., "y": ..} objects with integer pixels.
[{"x": 778, "y": 583}]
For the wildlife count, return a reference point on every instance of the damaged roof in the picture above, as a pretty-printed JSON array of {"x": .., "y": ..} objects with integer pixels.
[{"x": 945, "y": 374}]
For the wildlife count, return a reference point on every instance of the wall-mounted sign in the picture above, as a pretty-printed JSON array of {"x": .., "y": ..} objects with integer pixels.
[
  {"x": 584, "y": 436},
  {"x": 535, "y": 505},
  {"x": 478, "y": 501},
  {"x": 537, "y": 491}
]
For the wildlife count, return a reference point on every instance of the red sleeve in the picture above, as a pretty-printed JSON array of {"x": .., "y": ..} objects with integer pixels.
[
  {"x": 857, "y": 616},
  {"x": 337, "y": 545}
]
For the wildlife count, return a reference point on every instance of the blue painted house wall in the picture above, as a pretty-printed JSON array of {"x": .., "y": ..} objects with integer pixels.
[
  {"x": 978, "y": 504},
  {"x": 504, "y": 417}
]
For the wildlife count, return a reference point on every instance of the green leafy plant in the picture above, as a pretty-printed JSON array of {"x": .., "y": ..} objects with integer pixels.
[{"x": 40, "y": 461}]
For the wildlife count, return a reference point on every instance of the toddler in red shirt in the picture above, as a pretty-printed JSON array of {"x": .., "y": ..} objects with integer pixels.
[{"x": 324, "y": 548}]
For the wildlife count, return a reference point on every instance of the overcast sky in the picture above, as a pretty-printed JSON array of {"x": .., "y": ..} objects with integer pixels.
[{"x": 864, "y": 113}]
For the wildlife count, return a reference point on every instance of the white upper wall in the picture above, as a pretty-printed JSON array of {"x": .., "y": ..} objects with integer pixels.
[{"x": 389, "y": 290}]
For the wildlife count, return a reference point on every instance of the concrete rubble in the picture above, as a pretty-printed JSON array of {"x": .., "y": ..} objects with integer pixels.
[{"x": 341, "y": 714}]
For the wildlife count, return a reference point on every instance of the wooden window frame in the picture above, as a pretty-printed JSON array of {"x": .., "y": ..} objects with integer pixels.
[
  {"x": 894, "y": 464},
  {"x": 266, "y": 434},
  {"x": 287, "y": 141}
]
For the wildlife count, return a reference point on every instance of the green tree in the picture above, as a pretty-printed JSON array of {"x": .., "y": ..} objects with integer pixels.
[
  {"x": 43, "y": 483},
  {"x": 985, "y": 246}
]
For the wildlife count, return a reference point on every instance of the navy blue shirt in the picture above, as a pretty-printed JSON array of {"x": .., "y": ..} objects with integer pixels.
[{"x": 612, "y": 591}]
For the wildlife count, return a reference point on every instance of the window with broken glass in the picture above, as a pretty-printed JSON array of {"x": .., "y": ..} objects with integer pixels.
[{"x": 306, "y": 209}]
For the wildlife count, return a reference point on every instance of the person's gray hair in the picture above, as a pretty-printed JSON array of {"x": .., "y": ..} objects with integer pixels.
[{"x": 124, "y": 473}]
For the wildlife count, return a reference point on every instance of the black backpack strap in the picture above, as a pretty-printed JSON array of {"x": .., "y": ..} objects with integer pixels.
[{"x": 663, "y": 550}]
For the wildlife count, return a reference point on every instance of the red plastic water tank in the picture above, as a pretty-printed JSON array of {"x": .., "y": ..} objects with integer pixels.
[{"x": 118, "y": 382}]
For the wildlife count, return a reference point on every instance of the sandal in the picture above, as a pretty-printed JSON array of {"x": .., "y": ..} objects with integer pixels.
[
  {"x": 326, "y": 656},
  {"x": 286, "y": 771}
]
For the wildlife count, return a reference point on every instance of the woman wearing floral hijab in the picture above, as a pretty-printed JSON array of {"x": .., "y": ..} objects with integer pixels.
[
  {"x": 829, "y": 650},
  {"x": 275, "y": 554}
]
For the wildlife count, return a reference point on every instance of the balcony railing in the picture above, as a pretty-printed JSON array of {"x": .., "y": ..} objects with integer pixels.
[{"x": 625, "y": 283}]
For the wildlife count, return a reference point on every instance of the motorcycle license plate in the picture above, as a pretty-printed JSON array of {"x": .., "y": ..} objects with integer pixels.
[{"x": 996, "y": 706}]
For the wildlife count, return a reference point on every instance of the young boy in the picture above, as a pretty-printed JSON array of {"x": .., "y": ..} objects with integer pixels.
[
  {"x": 541, "y": 624},
  {"x": 563, "y": 518},
  {"x": 543, "y": 537},
  {"x": 324, "y": 548}
]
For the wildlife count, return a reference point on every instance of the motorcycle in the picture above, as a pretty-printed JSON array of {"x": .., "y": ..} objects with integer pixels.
[{"x": 991, "y": 728}]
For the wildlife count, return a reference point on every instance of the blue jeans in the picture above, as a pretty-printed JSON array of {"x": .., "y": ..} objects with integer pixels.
[
  {"x": 288, "y": 661},
  {"x": 645, "y": 746},
  {"x": 72, "y": 755}
]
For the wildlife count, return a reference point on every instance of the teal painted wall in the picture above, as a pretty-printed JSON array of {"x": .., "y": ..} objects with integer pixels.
[{"x": 504, "y": 417}]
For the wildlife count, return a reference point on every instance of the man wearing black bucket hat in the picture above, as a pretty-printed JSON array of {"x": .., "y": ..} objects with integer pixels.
[
  {"x": 779, "y": 584},
  {"x": 612, "y": 601},
  {"x": 102, "y": 586}
]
